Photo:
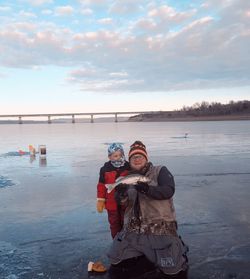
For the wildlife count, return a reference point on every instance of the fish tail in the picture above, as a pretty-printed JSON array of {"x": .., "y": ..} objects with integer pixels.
[{"x": 109, "y": 187}]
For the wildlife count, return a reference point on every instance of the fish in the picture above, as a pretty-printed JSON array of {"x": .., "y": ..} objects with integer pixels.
[{"x": 131, "y": 179}]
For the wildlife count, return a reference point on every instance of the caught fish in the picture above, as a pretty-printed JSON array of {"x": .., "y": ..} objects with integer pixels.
[{"x": 131, "y": 179}]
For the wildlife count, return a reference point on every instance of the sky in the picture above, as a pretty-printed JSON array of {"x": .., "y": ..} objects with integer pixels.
[{"x": 122, "y": 55}]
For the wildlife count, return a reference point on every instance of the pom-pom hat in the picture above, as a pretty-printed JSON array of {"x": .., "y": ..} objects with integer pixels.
[{"x": 137, "y": 148}]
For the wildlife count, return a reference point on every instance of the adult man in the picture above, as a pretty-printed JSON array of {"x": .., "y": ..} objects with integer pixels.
[{"x": 150, "y": 227}]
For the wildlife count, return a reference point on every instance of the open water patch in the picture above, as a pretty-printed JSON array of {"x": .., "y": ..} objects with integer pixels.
[{"x": 6, "y": 182}]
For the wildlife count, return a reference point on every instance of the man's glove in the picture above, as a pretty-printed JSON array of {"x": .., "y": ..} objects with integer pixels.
[
  {"x": 100, "y": 205},
  {"x": 142, "y": 187},
  {"x": 121, "y": 188},
  {"x": 121, "y": 193}
]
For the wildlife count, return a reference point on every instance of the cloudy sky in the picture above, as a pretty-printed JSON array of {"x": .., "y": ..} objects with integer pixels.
[{"x": 122, "y": 55}]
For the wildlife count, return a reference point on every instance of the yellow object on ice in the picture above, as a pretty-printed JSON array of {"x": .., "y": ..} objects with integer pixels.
[
  {"x": 32, "y": 150},
  {"x": 97, "y": 267}
]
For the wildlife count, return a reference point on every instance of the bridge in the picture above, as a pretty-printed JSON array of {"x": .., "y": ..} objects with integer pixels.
[{"x": 20, "y": 117}]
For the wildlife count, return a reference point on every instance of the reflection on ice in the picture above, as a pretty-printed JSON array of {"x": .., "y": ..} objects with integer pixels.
[
  {"x": 42, "y": 162},
  {"x": 32, "y": 158}
]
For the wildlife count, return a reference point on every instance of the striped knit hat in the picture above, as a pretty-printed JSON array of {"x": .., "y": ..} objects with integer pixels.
[{"x": 137, "y": 148}]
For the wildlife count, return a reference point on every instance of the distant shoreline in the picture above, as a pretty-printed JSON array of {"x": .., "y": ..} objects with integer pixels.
[{"x": 191, "y": 118}]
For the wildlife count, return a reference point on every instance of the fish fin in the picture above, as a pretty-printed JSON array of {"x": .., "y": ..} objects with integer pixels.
[{"x": 120, "y": 178}]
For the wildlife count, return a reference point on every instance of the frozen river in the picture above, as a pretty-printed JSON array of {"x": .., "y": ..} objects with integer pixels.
[{"x": 49, "y": 227}]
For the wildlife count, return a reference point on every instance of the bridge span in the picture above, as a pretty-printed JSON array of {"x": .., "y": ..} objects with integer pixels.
[{"x": 20, "y": 117}]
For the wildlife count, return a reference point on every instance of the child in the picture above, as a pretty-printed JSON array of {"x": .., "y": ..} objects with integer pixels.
[{"x": 115, "y": 167}]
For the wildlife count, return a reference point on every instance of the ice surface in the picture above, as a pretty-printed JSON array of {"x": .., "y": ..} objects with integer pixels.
[{"x": 49, "y": 227}]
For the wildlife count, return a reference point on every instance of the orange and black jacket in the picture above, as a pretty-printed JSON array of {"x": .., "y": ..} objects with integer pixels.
[{"x": 108, "y": 175}]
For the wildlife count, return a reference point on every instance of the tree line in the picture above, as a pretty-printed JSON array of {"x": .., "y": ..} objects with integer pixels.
[
  {"x": 215, "y": 108},
  {"x": 198, "y": 109}
]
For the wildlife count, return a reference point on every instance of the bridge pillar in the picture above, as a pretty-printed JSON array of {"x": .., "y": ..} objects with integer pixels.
[
  {"x": 20, "y": 120},
  {"x": 49, "y": 120},
  {"x": 73, "y": 118},
  {"x": 92, "y": 118},
  {"x": 116, "y": 119}
]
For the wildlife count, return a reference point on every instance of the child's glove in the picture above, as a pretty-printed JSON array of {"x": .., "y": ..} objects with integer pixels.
[{"x": 100, "y": 205}]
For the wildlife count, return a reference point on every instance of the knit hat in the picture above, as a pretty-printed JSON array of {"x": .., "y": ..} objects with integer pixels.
[
  {"x": 137, "y": 148},
  {"x": 115, "y": 146}
]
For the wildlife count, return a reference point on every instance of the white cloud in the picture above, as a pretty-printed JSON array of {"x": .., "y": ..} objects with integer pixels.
[
  {"x": 27, "y": 14},
  {"x": 39, "y": 2},
  {"x": 105, "y": 21},
  {"x": 99, "y": 79},
  {"x": 86, "y": 11},
  {"x": 64, "y": 10},
  {"x": 94, "y": 3},
  {"x": 119, "y": 74},
  {"x": 161, "y": 19},
  {"x": 198, "y": 23},
  {"x": 82, "y": 74},
  {"x": 204, "y": 5},
  {"x": 5, "y": 9},
  {"x": 197, "y": 51},
  {"x": 24, "y": 26},
  {"x": 169, "y": 14},
  {"x": 145, "y": 25},
  {"x": 108, "y": 85},
  {"x": 126, "y": 7},
  {"x": 89, "y": 2},
  {"x": 47, "y": 12}
]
